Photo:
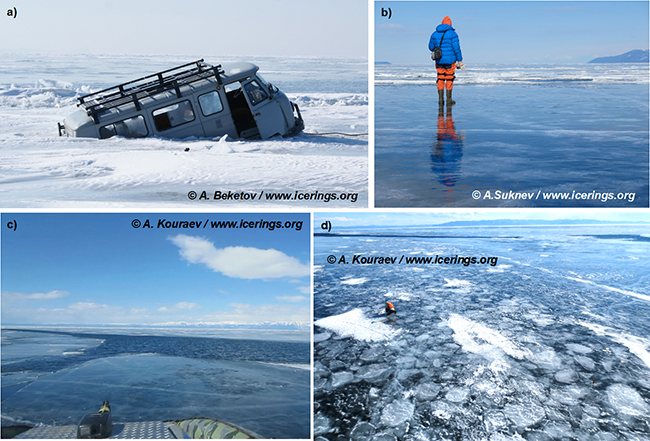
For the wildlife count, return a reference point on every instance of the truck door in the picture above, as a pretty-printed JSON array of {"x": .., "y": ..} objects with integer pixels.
[{"x": 267, "y": 112}]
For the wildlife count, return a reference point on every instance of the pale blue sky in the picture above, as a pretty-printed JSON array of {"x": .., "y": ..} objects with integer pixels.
[
  {"x": 513, "y": 31},
  {"x": 98, "y": 269},
  {"x": 333, "y": 28}
]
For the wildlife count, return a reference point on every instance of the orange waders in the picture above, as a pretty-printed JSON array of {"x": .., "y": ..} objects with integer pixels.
[{"x": 446, "y": 76}]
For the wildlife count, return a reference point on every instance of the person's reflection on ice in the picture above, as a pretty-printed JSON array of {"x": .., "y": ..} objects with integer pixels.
[{"x": 447, "y": 151}]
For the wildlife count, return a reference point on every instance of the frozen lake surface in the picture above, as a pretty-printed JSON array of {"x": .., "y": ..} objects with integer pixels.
[
  {"x": 40, "y": 169},
  {"x": 550, "y": 342},
  {"x": 55, "y": 377},
  {"x": 567, "y": 131}
]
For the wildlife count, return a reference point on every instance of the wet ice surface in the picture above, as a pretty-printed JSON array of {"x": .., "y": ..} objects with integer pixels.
[
  {"x": 260, "y": 385},
  {"x": 39, "y": 168},
  {"x": 525, "y": 129},
  {"x": 520, "y": 350}
]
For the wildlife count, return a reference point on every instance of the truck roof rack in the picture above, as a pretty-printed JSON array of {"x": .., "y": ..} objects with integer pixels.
[{"x": 133, "y": 91}]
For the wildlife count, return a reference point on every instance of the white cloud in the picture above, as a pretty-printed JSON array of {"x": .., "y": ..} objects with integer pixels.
[
  {"x": 77, "y": 313},
  {"x": 180, "y": 305},
  {"x": 239, "y": 262},
  {"x": 187, "y": 305},
  {"x": 36, "y": 296},
  {"x": 90, "y": 306},
  {"x": 292, "y": 299},
  {"x": 251, "y": 314}
]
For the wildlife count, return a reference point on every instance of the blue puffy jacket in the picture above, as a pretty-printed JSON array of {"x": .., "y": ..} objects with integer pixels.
[{"x": 450, "y": 44}]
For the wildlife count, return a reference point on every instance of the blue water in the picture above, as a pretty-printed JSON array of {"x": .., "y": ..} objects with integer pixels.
[
  {"x": 550, "y": 342},
  {"x": 559, "y": 130},
  {"x": 55, "y": 377}
]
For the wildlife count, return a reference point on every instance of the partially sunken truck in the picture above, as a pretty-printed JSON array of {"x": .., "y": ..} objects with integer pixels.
[{"x": 194, "y": 99}]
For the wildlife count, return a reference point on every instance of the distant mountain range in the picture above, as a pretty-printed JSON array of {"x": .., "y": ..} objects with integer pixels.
[
  {"x": 499, "y": 223},
  {"x": 634, "y": 56},
  {"x": 263, "y": 325},
  {"x": 535, "y": 222}
]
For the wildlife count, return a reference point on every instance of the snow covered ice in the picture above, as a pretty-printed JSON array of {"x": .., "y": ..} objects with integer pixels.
[
  {"x": 40, "y": 169},
  {"x": 527, "y": 352}
]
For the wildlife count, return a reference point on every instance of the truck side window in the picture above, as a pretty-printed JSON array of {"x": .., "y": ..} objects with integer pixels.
[
  {"x": 255, "y": 92},
  {"x": 174, "y": 115},
  {"x": 129, "y": 128},
  {"x": 210, "y": 103}
]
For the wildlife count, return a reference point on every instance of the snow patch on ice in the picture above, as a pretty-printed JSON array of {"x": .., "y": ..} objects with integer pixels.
[
  {"x": 609, "y": 288},
  {"x": 627, "y": 400},
  {"x": 637, "y": 345},
  {"x": 400, "y": 296},
  {"x": 479, "y": 339},
  {"x": 356, "y": 325},
  {"x": 500, "y": 366},
  {"x": 498, "y": 268},
  {"x": 358, "y": 281},
  {"x": 543, "y": 320},
  {"x": 455, "y": 283}
]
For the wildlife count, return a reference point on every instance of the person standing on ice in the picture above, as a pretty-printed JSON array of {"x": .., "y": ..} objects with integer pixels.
[{"x": 446, "y": 38}]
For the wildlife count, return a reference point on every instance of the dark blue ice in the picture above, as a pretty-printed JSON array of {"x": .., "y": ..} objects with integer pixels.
[{"x": 58, "y": 377}]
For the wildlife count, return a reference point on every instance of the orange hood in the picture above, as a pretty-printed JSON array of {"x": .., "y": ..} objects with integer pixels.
[{"x": 446, "y": 21}]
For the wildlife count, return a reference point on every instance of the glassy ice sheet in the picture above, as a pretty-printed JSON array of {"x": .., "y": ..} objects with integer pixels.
[
  {"x": 551, "y": 342},
  {"x": 530, "y": 135}
]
